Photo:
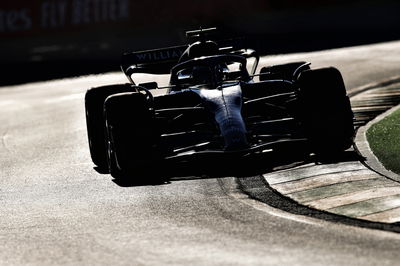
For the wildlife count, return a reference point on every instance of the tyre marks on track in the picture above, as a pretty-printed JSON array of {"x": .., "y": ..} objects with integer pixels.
[{"x": 347, "y": 188}]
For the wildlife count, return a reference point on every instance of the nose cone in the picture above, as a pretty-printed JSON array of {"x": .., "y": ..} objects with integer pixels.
[
  {"x": 226, "y": 105},
  {"x": 234, "y": 135}
]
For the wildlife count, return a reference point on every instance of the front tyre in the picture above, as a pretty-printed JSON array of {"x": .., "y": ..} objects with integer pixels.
[{"x": 132, "y": 134}]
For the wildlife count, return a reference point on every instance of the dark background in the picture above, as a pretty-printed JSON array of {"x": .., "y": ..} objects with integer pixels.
[{"x": 48, "y": 39}]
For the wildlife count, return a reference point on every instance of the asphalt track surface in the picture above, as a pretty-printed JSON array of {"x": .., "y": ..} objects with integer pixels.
[{"x": 56, "y": 209}]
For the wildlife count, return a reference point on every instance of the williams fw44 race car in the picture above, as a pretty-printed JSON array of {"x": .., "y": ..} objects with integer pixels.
[{"x": 216, "y": 106}]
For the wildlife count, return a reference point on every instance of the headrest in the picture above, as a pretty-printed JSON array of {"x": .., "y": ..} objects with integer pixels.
[{"x": 198, "y": 49}]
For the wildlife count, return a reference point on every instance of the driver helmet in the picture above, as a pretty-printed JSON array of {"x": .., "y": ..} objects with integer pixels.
[{"x": 199, "y": 49}]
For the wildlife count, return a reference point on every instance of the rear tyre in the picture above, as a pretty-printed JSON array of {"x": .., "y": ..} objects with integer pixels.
[
  {"x": 325, "y": 111},
  {"x": 131, "y": 134},
  {"x": 95, "y": 122}
]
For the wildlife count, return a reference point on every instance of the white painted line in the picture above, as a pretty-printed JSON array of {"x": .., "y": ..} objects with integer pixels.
[{"x": 364, "y": 149}]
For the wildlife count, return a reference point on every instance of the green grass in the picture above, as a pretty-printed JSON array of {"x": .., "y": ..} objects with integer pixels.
[{"x": 384, "y": 140}]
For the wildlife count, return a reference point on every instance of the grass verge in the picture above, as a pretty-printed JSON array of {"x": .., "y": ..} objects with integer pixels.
[{"x": 384, "y": 140}]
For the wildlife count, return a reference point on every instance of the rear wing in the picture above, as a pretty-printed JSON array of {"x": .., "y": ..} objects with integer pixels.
[{"x": 158, "y": 61}]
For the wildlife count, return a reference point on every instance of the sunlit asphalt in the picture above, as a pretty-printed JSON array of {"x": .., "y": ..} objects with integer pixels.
[{"x": 56, "y": 209}]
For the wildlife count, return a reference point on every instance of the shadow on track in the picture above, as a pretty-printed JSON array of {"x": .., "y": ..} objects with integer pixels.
[
  {"x": 255, "y": 165},
  {"x": 251, "y": 185}
]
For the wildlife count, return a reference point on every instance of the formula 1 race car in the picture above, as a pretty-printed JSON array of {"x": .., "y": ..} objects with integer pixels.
[{"x": 214, "y": 108}]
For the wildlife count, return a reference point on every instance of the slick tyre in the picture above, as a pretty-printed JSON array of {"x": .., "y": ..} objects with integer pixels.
[
  {"x": 131, "y": 134},
  {"x": 325, "y": 111},
  {"x": 95, "y": 122}
]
